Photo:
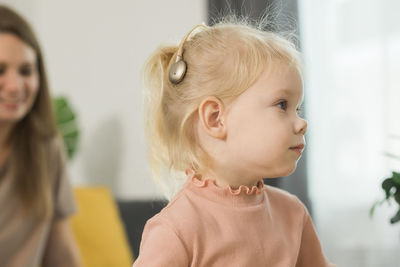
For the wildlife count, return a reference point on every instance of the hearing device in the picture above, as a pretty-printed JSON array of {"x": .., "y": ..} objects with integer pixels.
[{"x": 178, "y": 69}]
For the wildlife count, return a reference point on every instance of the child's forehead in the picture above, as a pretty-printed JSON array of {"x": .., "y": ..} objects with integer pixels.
[
  {"x": 285, "y": 91},
  {"x": 281, "y": 80},
  {"x": 283, "y": 76},
  {"x": 292, "y": 92}
]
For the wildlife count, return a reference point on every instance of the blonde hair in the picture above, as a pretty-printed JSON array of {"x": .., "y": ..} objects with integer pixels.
[{"x": 222, "y": 61}]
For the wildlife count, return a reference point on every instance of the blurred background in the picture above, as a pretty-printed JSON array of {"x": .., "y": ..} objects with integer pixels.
[{"x": 94, "y": 52}]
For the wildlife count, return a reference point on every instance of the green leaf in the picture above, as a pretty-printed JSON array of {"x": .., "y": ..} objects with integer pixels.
[
  {"x": 60, "y": 102},
  {"x": 387, "y": 185},
  {"x": 397, "y": 196},
  {"x": 396, "y": 178},
  {"x": 393, "y": 156},
  {"x": 372, "y": 210},
  {"x": 377, "y": 203},
  {"x": 67, "y": 124},
  {"x": 396, "y": 218}
]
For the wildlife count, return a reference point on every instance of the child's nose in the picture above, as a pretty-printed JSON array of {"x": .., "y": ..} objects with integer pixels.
[{"x": 301, "y": 126}]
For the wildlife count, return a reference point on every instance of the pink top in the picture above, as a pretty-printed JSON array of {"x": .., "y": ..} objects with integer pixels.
[{"x": 205, "y": 225}]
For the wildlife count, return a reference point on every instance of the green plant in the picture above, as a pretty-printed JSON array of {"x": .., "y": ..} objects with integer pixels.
[
  {"x": 391, "y": 186},
  {"x": 67, "y": 124}
]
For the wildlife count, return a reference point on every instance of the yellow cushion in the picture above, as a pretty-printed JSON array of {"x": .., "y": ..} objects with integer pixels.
[{"x": 98, "y": 229}]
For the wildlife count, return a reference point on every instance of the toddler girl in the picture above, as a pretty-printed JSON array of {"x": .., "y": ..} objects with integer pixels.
[{"x": 222, "y": 108}]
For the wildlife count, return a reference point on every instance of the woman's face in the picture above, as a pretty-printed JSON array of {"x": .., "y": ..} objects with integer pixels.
[{"x": 19, "y": 78}]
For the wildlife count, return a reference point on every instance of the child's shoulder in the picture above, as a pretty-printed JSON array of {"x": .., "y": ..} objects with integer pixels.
[
  {"x": 283, "y": 199},
  {"x": 179, "y": 217},
  {"x": 179, "y": 209}
]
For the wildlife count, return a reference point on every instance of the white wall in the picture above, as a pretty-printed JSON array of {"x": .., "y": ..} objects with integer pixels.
[
  {"x": 94, "y": 51},
  {"x": 352, "y": 57}
]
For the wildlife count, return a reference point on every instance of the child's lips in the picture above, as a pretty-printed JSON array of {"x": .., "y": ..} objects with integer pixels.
[{"x": 298, "y": 149}]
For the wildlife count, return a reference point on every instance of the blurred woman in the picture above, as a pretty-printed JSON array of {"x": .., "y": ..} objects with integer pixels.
[{"x": 35, "y": 196}]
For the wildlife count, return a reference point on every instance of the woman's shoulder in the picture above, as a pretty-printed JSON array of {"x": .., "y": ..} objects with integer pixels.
[
  {"x": 55, "y": 150},
  {"x": 55, "y": 144},
  {"x": 56, "y": 159}
]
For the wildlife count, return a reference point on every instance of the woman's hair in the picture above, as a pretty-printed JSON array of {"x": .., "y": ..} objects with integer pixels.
[
  {"x": 31, "y": 136},
  {"x": 222, "y": 61}
]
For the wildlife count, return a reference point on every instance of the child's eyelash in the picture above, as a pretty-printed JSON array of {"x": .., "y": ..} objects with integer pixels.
[{"x": 284, "y": 103}]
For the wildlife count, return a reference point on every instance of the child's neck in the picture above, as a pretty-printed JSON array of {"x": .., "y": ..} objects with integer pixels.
[{"x": 223, "y": 179}]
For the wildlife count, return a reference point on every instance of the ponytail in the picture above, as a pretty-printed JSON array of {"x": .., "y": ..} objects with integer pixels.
[{"x": 155, "y": 78}]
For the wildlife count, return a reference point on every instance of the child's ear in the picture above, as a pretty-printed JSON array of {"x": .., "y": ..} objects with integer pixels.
[{"x": 211, "y": 116}]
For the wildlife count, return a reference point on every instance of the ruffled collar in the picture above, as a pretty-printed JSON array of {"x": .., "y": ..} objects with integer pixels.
[{"x": 241, "y": 196}]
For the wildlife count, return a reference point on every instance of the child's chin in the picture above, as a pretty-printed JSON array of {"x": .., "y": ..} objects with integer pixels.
[
  {"x": 281, "y": 173},
  {"x": 288, "y": 171}
]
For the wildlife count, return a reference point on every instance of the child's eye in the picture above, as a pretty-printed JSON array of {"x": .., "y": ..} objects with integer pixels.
[{"x": 282, "y": 104}]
